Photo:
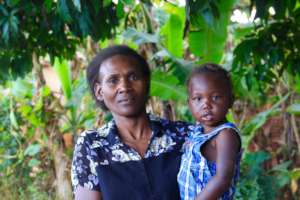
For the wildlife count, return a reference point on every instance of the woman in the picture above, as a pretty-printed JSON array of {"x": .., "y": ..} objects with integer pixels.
[{"x": 135, "y": 156}]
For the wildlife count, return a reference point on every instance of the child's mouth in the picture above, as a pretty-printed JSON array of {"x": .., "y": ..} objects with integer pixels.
[{"x": 207, "y": 116}]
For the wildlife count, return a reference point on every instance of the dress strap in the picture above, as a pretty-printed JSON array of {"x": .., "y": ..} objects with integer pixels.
[{"x": 217, "y": 130}]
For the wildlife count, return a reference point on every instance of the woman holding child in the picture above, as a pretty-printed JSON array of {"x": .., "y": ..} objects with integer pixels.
[{"x": 135, "y": 156}]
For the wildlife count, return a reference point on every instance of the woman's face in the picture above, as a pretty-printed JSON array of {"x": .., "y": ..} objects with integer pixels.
[{"x": 122, "y": 87}]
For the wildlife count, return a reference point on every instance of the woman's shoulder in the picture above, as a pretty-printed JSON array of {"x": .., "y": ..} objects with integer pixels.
[
  {"x": 95, "y": 134},
  {"x": 169, "y": 125}
]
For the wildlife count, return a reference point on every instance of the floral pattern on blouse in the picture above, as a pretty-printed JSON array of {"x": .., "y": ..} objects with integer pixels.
[{"x": 103, "y": 146}]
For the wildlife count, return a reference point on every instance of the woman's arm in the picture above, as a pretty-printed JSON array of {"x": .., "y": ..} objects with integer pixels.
[
  {"x": 227, "y": 148},
  {"x": 83, "y": 170},
  {"x": 82, "y": 193}
]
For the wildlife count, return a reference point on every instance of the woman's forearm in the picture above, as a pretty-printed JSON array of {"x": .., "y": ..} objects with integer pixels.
[{"x": 82, "y": 193}]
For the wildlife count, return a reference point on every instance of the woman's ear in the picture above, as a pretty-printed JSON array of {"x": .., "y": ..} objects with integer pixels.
[{"x": 98, "y": 91}]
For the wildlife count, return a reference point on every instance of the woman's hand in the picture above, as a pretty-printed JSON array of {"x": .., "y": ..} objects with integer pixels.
[{"x": 82, "y": 193}]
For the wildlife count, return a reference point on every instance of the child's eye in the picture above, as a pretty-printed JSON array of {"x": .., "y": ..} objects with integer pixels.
[
  {"x": 216, "y": 97},
  {"x": 197, "y": 98}
]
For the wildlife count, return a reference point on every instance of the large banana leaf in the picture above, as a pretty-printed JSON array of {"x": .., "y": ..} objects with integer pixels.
[
  {"x": 166, "y": 86},
  {"x": 172, "y": 31},
  {"x": 208, "y": 41},
  {"x": 64, "y": 73}
]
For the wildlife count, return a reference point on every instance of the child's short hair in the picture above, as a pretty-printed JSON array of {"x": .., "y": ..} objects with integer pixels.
[{"x": 214, "y": 70}]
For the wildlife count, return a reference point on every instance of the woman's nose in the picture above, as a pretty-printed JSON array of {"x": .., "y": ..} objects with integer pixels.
[{"x": 124, "y": 85}]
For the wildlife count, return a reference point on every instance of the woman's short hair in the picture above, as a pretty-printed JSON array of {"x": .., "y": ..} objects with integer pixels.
[{"x": 92, "y": 71}]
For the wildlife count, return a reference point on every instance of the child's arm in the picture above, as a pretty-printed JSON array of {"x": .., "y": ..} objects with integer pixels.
[{"x": 227, "y": 148}]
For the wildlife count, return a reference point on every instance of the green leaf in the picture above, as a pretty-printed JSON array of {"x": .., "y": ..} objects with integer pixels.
[
  {"x": 172, "y": 31},
  {"x": 32, "y": 150},
  {"x": 208, "y": 42},
  {"x": 34, "y": 162},
  {"x": 297, "y": 84},
  {"x": 294, "y": 109},
  {"x": 46, "y": 91},
  {"x": 12, "y": 116},
  {"x": 64, "y": 73},
  {"x": 63, "y": 10},
  {"x": 241, "y": 31},
  {"x": 128, "y": 2},
  {"x": 230, "y": 116},
  {"x": 13, "y": 2},
  {"x": 139, "y": 37},
  {"x": 5, "y": 32},
  {"x": 25, "y": 110},
  {"x": 48, "y": 5},
  {"x": 295, "y": 174},
  {"x": 165, "y": 86},
  {"x": 120, "y": 10},
  {"x": 282, "y": 167},
  {"x": 85, "y": 23},
  {"x": 255, "y": 160},
  {"x": 259, "y": 120},
  {"x": 77, "y": 4},
  {"x": 106, "y": 3},
  {"x": 21, "y": 88}
]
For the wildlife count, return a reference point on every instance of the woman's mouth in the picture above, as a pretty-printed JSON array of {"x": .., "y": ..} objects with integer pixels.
[{"x": 126, "y": 100}]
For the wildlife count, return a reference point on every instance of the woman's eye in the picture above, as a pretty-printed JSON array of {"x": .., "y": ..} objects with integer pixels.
[
  {"x": 112, "y": 81},
  {"x": 133, "y": 77}
]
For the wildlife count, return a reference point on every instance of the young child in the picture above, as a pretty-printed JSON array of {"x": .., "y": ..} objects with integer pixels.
[{"x": 210, "y": 163}]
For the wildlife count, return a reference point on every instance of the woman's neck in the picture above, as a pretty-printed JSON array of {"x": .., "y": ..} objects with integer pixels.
[{"x": 133, "y": 128}]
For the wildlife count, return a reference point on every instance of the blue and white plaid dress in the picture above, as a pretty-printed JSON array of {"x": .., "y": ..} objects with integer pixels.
[{"x": 195, "y": 170}]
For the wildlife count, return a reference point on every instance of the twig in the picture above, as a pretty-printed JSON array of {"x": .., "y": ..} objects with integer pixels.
[{"x": 295, "y": 130}]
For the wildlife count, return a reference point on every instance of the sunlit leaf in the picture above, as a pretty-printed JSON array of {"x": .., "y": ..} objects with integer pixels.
[
  {"x": 22, "y": 88},
  {"x": 208, "y": 42},
  {"x": 33, "y": 162},
  {"x": 77, "y": 4},
  {"x": 64, "y": 73},
  {"x": 12, "y": 116},
  {"x": 166, "y": 87},
  {"x": 172, "y": 31},
  {"x": 32, "y": 149},
  {"x": 295, "y": 174},
  {"x": 282, "y": 167},
  {"x": 294, "y": 109},
  {"x": 140, "y": 37},
  {"x": 106, "y": 3}
]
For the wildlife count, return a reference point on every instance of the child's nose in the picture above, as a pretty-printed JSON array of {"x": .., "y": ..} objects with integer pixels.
[{"x": 206, "y": 104}]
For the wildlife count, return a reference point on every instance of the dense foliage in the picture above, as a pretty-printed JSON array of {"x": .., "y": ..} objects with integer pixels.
[
  {"x": 53, "y": 28},
  {"x": 45, "y": 46}
]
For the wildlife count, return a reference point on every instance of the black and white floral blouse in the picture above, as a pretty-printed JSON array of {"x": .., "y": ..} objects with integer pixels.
[{"x": 102, "y": 162}]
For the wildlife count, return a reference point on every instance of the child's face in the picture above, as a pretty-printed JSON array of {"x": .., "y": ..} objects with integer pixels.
[{"x": 209, "y": 99}]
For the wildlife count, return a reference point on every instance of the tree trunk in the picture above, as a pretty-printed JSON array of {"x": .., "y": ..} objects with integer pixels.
[
  {"x": 62, "y": 173},
  {"x": 55, "y": 141}
]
